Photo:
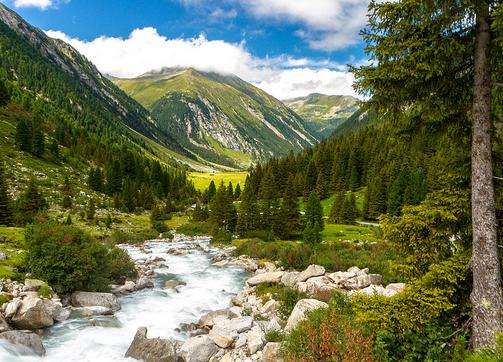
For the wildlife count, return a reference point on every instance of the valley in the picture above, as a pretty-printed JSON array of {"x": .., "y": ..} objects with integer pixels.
[{"x": 174, "y": 197}]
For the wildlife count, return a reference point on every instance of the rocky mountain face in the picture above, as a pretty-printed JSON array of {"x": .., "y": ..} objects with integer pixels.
[
  {"x": 324, "y": 113},
  {"x": 219, "y": 118}
]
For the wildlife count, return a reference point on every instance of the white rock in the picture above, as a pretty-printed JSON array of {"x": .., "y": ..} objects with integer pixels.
[
  {"x": 272, "y": 277},
  {"x": 255, "y": 339},
  {"x": 311, "y": 271},
  {"x": 271, "y": 352},
  {"x": 91, "y": 299},
  {"x": 299, "y": 311},
  {"x": 198, "y": 349},
  {"x": 289, "y": 279},
  {"x": 32, "y": 314},
  {"x": 393, "y": 288},
  {"x": 12, "y": 307}
]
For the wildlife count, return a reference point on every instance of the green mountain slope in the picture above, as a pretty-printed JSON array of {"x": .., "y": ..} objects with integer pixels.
[
  {"x": 322, "y": 112},
  {"x": 75, "y": 119},
  {"x": 221, "y": 119}
]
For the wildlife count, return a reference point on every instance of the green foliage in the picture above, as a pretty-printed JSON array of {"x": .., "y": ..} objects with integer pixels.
[
  {"x": 200, "y": 213},
  {"x": 5, "y": 201},
  {"x": 120, "y": 265},
  {"x": 222, "y": 237},
  {"x": 223, "y": 216},
  {"x": 29, "y": 203},
  {"x": 313, "y": 220},
  {"x": 67, "y": 258},
  {"x": 5, "y": 93},
  {"x": 195, "y": 228},
  {"x": 38, "y": 142},
  {"x": 91, "y": 210},
  {"x": 287, "y": 297},
  {"x": 274, "y": 336},
  {"x": 45, "y": 291},
  {"x": 24, "y": 135}
]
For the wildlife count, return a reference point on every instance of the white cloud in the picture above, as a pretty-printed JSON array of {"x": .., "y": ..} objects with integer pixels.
[
  {"x": 41, "y": 4},
  {"x": 145, "y": 50},
  {"x": 329, "y": 24}
]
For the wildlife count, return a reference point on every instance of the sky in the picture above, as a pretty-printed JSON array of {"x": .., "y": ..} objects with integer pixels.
[{"x": 289, "y": 48}]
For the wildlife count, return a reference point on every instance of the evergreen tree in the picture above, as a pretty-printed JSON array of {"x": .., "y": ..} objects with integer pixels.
[
  {"x": 5, "y": 202},
  {"x": 24, "y": 135},
  {"x": 91, "y": 209},
  {"x": 336, "y": 212},
  {"x": 289, "y": 214},
  {"x": 211, "y": 191},
  {"x": 354, "y": 179},
  {"x": 237, "y": 192},
  {"x": 349, "y": 210},
  {"x": 4, "y": 93},
  {"x": 200, "y": 212},
  {"x": 313, "y": 220},
  {"x": 230, "y": 190},
  {"x": 38, "y": 142},
  {"x": 443, "y": 72},
  {"x": 223, "y": 214},
  {"x": 321, "y": 186},
  {"x": 248, "y": 212},
  {"x": 311, "y": 178},
  {"x": 54, "y": 151},
  {"x": 30, "y": 202}
]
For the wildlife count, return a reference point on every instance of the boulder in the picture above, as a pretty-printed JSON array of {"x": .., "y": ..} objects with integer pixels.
[
  {"x": 92, "y": 299},
  {"x": 362, "y": 281},
  {"x": 255, "y": 339},
  {"x": 144, "y": 283},
  {"x": 93, "y": 311},
  {"x": 289, "y": 279},
  {"x": 32, "y": 314},
  {"x": 271, "y": 352},
  {"x": 299, "y": 311},
  {"x": 269, "y": 307},
  {"x": 172, "y": 284},
  {"x": 24, "y": 342},
  {"x": 272, "y": 277},
  {"x": 151, "y": 349},
  {"x": 198, "y": 349},
  {"x": 321, "y": 288},
  {"x": 311, "y": 271},
  {"x": 208, "y": 320},
  {"x": 56, "y": 310},
  {"x": 4, "y": 326},
  {"x": 12, "y": 307},
  {"x": 393, "y": 288}
]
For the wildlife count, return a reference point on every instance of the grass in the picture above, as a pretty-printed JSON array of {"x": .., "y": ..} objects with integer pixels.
[
  {"x": 327, "y": 203},
  {"x": 337, "y": 232},
  {"x": 12, "y": 244},
  {"x": 203, "y": 179}
]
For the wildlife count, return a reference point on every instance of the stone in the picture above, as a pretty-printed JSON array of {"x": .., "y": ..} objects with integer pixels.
[
  {"x": 3, "y": 256},
  {"x": 371, "y": 290},
  {"x": 235, "y": 312},
  {"x": 321, "y": 288},
  {"x": 269, "y": 307},
  {"x": 255, "y": 339},
  {"x": 302, "y": 307},
  {"x": 32, "y": 285},
  {"x": 93, "y": 299},
  {"x": 272, "y": 277},
  {"x": 271, "y": 352},
  {"x": 56, "y": 310},
  {"x": 362, "y": 281},
  {"x": 93, "y": 311},
  {"x": 172, "y": 284},
  {"x": 221, "y": 263},
  {"x": 12, "y": 307},
  {"x": 289, "y": 279},
  {"x": 241, "y": 324},
  {"x": 32, "y": 314},
  {"x": 198, "y": 349},
  {"x": 4, "y": 326},
  {"x": 240, "y": 341},
  {"x": 151, "y": 349},
  {"x": 144, "y": 283},
  {"x": 222, "y": 341},
  {"x": 207, "y": 320},
  {"x": 393, "y": 288},
  {"x": 24, "y": 342},
  {"x": 311, "y": 271}
]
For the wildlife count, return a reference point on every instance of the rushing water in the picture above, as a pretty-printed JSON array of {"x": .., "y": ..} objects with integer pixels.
[{"x": 106, "y": 338}]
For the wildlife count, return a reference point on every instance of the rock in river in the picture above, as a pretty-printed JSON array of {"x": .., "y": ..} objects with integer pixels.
[
  {"x": 91, "y": 299},
  {"x": 24, "y": 343},
  {"x": 151, "y": 349}
]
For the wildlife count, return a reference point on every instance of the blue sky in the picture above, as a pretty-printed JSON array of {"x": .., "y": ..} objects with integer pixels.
[{"x": 287, "y": 47}]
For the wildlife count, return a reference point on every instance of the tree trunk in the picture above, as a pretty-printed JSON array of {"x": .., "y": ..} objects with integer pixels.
[{"x": 486, "y": 296}]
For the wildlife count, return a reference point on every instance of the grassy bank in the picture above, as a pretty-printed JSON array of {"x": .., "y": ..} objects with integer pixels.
[{"x": 203, "y": 179}]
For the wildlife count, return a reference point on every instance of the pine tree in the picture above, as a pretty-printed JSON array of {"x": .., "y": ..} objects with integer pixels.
[
  {"x": 223, "y": 214},
  {"x": 349, "y": 210},
  {"x": 5, "y": 202},
  {"x": 454, "y": 42},
  {"x": 4, "y": 93},
  {"x": 336, "y": 212},
  {"x": 354, "y": 179},
  {"x": 321, "y": 186},
  {"x": 237, "y": 192},
  {"x": 30, "y": 202},
  {"x": 38, "y": 142},
  {"x": 91, "y": 210},
  {"x": 54, "y": 151},
  {"x": 230, "y": 190},
  {"x": 313, "y": 220},
  {"x": 289, "y": 214},
  {"x": 24, "y": 135},
  {"x": 248, "y": 216},
  {"x": 211, "y": 191}
]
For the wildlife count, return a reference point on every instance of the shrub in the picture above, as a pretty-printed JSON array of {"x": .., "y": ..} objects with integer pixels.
[
  {"x": 193, "y": 228},
  {"x": 159, "y": 226},
  {"x": 45, "y": 291},
  {"x": 222, "y": 237},
  {"x": 121, "y": 265},
  {"x": 66, "y": 258},
  {"x": 122, "y": 237},
  {"x": 274, "y": 336}
]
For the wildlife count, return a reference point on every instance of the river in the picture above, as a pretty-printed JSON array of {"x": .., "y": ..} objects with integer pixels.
[{"x": 106, "y": 338}]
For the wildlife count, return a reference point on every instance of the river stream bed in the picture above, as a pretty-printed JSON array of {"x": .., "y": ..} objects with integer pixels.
[{"x": 161, "y": 310}]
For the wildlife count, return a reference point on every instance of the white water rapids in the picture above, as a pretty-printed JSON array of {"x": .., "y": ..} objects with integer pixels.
[{"x": 106, "y": 338}]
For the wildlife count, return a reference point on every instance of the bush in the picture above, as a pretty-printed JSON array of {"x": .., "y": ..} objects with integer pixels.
[
  {"x": 222, "y": 237},
  {"x": 67, "y": 258},
  {"x": 159, "y": 226},
  {"x": 193, "y": 228},
  {"x": 122, "y": 237},
  {"x": 121, "y": 265}
]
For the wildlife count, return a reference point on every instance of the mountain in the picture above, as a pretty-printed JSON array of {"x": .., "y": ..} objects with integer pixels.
[
  {"x": 219, "y": 118},
  {"x": 323, "y": 113},
  {"x": 53, "y": 70}
]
